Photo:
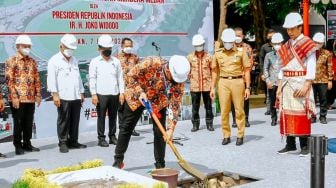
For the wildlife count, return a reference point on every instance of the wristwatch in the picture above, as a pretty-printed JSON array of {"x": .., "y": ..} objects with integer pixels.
[{"x": 249, "y": 88}]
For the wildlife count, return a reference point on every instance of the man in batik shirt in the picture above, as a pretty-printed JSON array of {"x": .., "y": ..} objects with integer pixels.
[
  {"x": 200, "y": 83},
  {"x": 323, "y": 77},
  {"x": 128, "y": 60},
  {"x": 24, "y": 86},
  {"x": 161, "y": 83}
]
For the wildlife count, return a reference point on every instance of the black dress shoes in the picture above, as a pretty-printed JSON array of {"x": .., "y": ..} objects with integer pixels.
[
  {"x": 226, "y": 141},
  {"x": 76, "y": 146},
  {"x": 30, "y": 148},
  {"x": 113, "y": 140},
  {"x": 240, "y": 141},
  {"x": 134, "y": 133},
  {"x": 19, "y": 151},
  {"x": 103, "y": 143}
]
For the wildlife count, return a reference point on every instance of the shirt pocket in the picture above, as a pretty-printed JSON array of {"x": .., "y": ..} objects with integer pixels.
[
  {"x": 113, "y": 71},
  {"x": 63, "y": 72}
]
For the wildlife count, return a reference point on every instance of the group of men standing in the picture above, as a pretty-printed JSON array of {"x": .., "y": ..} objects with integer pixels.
[{"x": 120, "y": 86}]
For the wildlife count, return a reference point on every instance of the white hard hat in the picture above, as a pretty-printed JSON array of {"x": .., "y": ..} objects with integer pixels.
[
  {"x": 292, "y": 19},
  {"x": 228, "y": 35},
  {"x": 319, "y": 37},
  {"x": 198, "y": 40},
  {"x": 277, "y": 38},
  {"x": 105, "y": 41},
  {"x": 179, "y": 68},
  {"x": 69, "y": 41},
  {"x": 23, "y": 39}
]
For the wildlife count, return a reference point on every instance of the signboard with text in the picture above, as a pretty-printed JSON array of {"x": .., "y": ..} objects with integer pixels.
[{"x": 168, "y": 23}]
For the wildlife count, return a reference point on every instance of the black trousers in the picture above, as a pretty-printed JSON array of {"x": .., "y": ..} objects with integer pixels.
[
  {"x": 68, "y": 121},
  {"x": 110, "y": 104},
  {"x": 196, "y": 100},
  {"x": 331, "y": 94},
  {"x": 246, "y": 110},
  {"x": 126, "y": 127},
  {"x": 23, "y": 123},
  {"x": 255, "y": 80},
  {"x": 272, "y": 98},
  {"x": 291, "y": 144},
  {"x": 321, "y": 90}
]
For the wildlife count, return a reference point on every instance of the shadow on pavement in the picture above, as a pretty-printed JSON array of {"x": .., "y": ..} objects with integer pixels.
[
  {"x": 5, "y": 184},
  {"x": 14, "y": 162},
  {"x": 248, "y": 138}
]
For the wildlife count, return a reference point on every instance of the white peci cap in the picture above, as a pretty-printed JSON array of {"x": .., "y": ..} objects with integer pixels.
[
  {"x": 179, "y": 68},
  {"x": 69, "y": 41},
  {"x": 198, "y": 40},
  {"x": 228, "y": 35},
  {"x": 105, "y": 41},
  {"x": 277, "y": 38},
  {"x": 319, "y": 37},
  {"x": 292, "y": 19},
  {"x": 23, "y": 39}
]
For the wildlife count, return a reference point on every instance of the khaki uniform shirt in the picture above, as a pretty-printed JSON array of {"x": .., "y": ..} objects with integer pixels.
[{"x": 230, "y": 62}]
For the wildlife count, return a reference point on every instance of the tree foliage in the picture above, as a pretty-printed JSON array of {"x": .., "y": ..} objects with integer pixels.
[{"x": 274, "y": 13}]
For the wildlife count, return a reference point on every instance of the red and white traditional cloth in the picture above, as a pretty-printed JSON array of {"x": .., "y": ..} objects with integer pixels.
[{"x": 295, "y": 113}]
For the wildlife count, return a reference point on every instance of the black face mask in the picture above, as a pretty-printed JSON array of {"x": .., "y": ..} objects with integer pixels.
[
  {"x": 268, "y": 40},
  {"x": 107, "y": 52}
]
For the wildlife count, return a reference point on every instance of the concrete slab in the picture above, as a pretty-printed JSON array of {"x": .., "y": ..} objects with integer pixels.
[{"x": 256, "y": 158}]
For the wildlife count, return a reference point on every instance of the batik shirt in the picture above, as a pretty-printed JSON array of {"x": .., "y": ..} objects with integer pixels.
[
  {"x": 148, "y": 77},
  {"x": 22, "y": 78},
  {"x": 200, "y": 73},
  {"x": 324, "y": 69}
]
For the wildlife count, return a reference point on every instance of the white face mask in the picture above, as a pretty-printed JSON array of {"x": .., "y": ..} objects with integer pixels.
[
  {"x": 25, "y": 51},
  {"x": 68, "y": 52},
  {"x": 238, "y": 40},
  {"x": 277, "y": 47},
  {"x": 199, "y": 48},
  {"x": 228, "y": 45},
  {"x": 128, "y": 50}
]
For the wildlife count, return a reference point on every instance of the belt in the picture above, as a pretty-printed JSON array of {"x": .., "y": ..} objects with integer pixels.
[
  {"x": 294, "y": 73},
  {"x": 231, "y": 77}
]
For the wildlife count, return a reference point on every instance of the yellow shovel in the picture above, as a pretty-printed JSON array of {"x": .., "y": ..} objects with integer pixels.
[{"x": 184, "y": 164}]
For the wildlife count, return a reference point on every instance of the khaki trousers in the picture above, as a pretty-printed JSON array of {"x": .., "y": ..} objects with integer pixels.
[{"x": 232, "y": 91}]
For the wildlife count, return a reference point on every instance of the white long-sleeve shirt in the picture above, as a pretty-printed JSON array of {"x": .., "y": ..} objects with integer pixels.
[
  {"x": 106, "y": 77},
  {"x": 310, "y": 63},
  {"x": 64, "y": 77}
]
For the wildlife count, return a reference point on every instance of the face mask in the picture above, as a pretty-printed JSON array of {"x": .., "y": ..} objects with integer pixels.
[
  {"x": 268, "y": 40},
  {"x": 68, "y": 52},
  {"x": 107, "y": 52},
  {"x": 276, "y": 47},
  {"x": 238, "y": 40},
  {"x": 128, "y": 50},
  {"x": 199, "y": 48},
  {"x": 25, "y": 51},
  {"x": 228, "y": 45}
]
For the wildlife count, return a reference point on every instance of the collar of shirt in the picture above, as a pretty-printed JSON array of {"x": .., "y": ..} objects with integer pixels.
[
  {"x": 111, "y": 60},
  {"x": 233, "y": 49},
  {"x": 19, "y": 56},
  {"x": 297, "y": 38}
]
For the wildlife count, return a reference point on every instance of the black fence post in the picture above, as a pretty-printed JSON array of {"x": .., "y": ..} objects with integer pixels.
[{"x": 318, "y": 149}]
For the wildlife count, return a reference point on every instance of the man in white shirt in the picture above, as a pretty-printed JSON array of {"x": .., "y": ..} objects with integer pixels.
[
  {"x": 296, "y": 99},
  {"x": 66, "y": 86},
  {"x": 107, "y": 88}
]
